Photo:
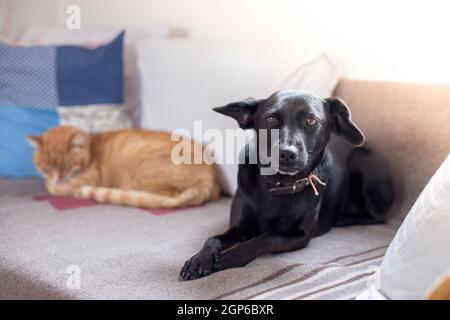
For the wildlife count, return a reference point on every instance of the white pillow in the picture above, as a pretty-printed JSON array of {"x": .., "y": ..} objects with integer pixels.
[
  {"x": 420, "y": 251},
  {"x": 182, "y": 80}
]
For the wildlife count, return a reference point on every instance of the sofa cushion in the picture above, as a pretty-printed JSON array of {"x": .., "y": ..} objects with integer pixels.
[
  {"x": 406, "y": 123},
  {"x": 128, "y": 253}
]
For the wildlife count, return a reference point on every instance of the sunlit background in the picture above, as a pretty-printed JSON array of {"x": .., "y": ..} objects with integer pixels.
[{"x": 378, "y": 40}]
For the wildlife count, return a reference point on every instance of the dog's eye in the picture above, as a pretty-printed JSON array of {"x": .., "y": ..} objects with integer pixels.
[
  {"x": 311, "y": 121},
  {"x": 271, "y": 121}
]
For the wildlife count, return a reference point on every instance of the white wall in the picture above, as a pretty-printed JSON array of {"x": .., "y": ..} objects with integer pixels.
[
  {"x": 16, "y": 15},
  {"x": 383, "y": 40}
]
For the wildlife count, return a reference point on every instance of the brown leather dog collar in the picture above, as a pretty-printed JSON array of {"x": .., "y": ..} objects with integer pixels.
[{"x": 297, "y": 186}]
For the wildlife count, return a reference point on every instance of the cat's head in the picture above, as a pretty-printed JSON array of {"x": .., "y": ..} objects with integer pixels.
[{"x": 61, "y": 153}]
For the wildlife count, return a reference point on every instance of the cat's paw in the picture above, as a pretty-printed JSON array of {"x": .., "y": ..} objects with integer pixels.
[
  {"x": 200, "y": 265},
  {"x": 84, "y": 192}
]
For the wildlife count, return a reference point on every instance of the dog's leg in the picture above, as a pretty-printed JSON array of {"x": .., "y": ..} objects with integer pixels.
[
  {"x": 202, "y": 263},
  {"x": 243, "y": 253}
]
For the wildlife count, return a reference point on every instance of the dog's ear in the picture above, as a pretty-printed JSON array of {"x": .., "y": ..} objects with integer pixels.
[
  {"x": 243, "y": 111},
  {"x": 342, "y": 124}
]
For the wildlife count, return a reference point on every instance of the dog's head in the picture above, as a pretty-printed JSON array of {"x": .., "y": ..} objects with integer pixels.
[{"x": 304, "y": 122}]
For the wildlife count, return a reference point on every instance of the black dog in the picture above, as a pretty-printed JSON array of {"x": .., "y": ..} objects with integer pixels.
[{"x": 321, "y": 182}]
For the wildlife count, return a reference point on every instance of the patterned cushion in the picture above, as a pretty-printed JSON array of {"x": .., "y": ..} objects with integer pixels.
[
  {"x": 131, "y": 253},
  {"x": 92, "y": 66},
  {"x": 15, "y": 124},
  {"x": 45, "y": 86},
  {"x": 28, "y": 76}
]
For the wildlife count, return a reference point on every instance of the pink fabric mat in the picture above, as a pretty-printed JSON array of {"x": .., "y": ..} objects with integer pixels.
[{"x": 69, "y": 203}]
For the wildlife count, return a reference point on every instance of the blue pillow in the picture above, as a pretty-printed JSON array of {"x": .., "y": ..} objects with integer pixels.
[
  {"x": 37, "y": 81},
  {"x": 93, "y": 77},
  {"x": 15, "y": 124}
]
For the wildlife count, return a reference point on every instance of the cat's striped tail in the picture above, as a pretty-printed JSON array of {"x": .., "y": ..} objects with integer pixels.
[{"x": 192, "y": 196}]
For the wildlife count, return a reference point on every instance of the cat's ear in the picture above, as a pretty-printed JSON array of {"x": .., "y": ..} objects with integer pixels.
[
  {"x": 35, "y": 141},
  {"x": 80, "y": 140}
]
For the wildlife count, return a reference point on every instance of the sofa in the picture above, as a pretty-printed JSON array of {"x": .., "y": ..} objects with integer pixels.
[{"x": 117, "y": 252}]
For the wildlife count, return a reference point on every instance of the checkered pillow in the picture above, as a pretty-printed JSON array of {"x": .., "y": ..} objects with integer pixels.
[{"x": 46, "y": 86}]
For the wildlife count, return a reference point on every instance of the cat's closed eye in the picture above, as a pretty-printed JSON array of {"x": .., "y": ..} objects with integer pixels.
[{"x": 45, "y": 171}]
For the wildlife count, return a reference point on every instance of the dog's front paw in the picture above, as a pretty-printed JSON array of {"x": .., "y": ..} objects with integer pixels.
[{"x": 200, "y": 265}]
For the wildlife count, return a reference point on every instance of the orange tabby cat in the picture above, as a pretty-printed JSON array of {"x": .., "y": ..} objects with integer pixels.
[{"x": 129, "y": 167}]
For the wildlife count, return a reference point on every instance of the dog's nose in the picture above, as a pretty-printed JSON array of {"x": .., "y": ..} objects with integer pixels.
[{"x": 287, "y": 157}]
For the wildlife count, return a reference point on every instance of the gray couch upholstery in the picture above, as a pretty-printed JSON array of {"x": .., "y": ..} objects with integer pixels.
[
  {"x": 128, "y": 253},
  {"x": 136, "y": 254}
]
